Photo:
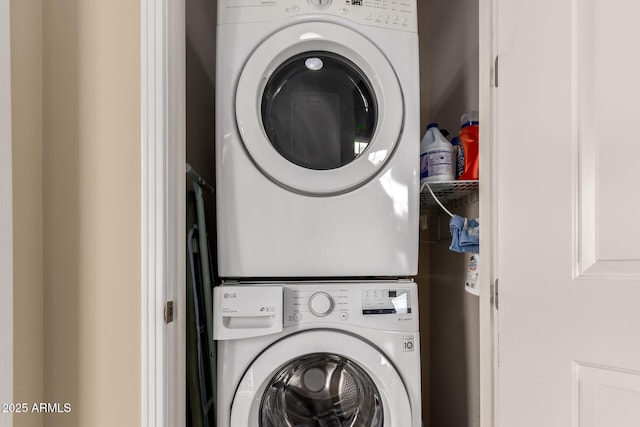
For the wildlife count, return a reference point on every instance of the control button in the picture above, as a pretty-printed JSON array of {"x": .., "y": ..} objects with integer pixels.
[
  {"x": 295, "y": 8},
  {"x": 404, "y": 20},
  {"x": 344, "y": 10},
  {"x": 344, "y": 315},
  {"x": 320, "y": 304},
  {"x": 297, "y": 316},
  {"x": 320, "y": 4},
  {"x": 395, "y": 18}
]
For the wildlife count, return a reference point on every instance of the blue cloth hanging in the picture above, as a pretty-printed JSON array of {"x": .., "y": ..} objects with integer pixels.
[{"x": 465, "y": 234}]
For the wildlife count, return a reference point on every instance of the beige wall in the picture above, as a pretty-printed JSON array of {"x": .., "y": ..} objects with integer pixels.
[
  {"x": 26, "y": 88},
  {"x": 92, "y": 228},
  {"x": 76, "y": 106}
]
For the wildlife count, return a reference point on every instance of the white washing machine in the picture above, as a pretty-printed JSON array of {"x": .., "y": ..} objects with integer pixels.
[
  {"x": 318, "y": 354},
  {"x": 317, "y": 138}
]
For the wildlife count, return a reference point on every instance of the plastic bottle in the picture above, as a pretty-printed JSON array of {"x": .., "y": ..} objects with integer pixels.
[
  {"x": 470, "y": 144},
  {"x": 436, "y": 156},
  {"x": 458, "y": 154}
]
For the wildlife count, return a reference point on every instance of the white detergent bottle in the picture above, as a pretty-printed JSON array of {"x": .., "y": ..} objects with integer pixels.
[{"x": 436, "y": 156}]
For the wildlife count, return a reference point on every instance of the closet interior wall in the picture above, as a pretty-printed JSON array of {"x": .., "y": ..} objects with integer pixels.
[
  {"x": 201, "y": 17},
  {"x": 448, "y": 31}
]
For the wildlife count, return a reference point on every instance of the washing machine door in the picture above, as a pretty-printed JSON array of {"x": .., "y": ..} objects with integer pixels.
[
  {"x": 321, "y": 378},
  {"x": 319, "y": 108}
]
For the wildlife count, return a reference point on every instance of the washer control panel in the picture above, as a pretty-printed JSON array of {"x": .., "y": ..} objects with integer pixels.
[
  {"x": 396, "y": 14},
  {"x": 386, "y": 301},
  {"x": 320, "y": 4},
  {"x": 385, "y": 305},
  {"x": 311, "y": 304}
]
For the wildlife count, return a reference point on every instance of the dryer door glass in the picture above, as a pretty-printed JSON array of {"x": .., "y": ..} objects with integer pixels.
[
  {"x": 319, "y": 110},
  {"x": 320, "y": 390}
]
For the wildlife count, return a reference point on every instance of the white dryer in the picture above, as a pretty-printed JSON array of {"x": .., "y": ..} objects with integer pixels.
[
  {"x": 318, "y": 354},
  {"x": 317, "y": 138}
]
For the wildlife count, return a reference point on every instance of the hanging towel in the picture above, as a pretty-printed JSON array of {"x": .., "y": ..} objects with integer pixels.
[{"x": 465, "y": 234}]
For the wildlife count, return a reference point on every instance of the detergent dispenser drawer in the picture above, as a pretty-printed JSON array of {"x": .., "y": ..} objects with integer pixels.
[{"x": 246, "y": 311}]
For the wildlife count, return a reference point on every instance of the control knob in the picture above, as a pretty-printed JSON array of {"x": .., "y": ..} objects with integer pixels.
[
  {"x": 320, "y": 304},
  {"x": 320, "y": 4}
]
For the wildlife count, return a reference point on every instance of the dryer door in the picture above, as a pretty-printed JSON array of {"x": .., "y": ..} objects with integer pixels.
[
  {"x": 321, "y": 378},
  {"x": 319, "y": 108}
]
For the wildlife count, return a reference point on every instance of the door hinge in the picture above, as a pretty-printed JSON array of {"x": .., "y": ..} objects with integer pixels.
[
  {"x": 495, "y": 294},
  {"x": 168, "y": 312},
  {"x": 495, "y": 72}
]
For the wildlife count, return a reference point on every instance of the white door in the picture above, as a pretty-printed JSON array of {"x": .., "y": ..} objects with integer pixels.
[{"x": 568, "y": 204}]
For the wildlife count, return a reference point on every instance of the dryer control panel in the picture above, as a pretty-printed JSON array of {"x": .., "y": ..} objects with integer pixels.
[
  {"x": 396, "y": 14},
  {"x": 385, "y": 306}
]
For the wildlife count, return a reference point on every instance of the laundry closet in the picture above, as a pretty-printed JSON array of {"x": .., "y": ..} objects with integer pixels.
[{"x": 449, "y": 332}]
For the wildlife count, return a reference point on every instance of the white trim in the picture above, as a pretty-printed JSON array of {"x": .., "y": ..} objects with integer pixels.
[
  {"x": 176, "y": 212},
  {"x": 6, "y": 217},
  {"x": 488, "y": 204},
  {"x": 162, "y": 34}
]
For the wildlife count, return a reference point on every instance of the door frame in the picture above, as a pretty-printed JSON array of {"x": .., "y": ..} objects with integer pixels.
[
  {"x": 163, "y": 146},
  {"x": 163, "y": 191},
  {"x": 6, "y": 216},
  {"x": 488, "y": 306}
]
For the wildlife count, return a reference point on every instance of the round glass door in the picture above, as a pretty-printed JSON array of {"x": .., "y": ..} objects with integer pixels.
[
  {"x": 320, "y": 390},
  {"x": 319, "y": 110},
  {"x": 321, "y": 378}
]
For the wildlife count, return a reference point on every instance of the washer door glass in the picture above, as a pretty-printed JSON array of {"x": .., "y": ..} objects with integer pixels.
[
  {"x": 318, "y": 110},
  {"x": 320, "y": 390}
]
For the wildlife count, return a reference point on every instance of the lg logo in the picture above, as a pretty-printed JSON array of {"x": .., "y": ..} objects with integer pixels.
[{"x": 228, "y": 295}]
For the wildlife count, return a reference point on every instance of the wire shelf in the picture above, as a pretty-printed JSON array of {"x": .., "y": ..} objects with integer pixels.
[{"x": 452, "y": 194}]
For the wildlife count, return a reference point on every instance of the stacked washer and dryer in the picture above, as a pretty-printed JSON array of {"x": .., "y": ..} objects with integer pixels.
[{"x": 317, "y": 151}]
